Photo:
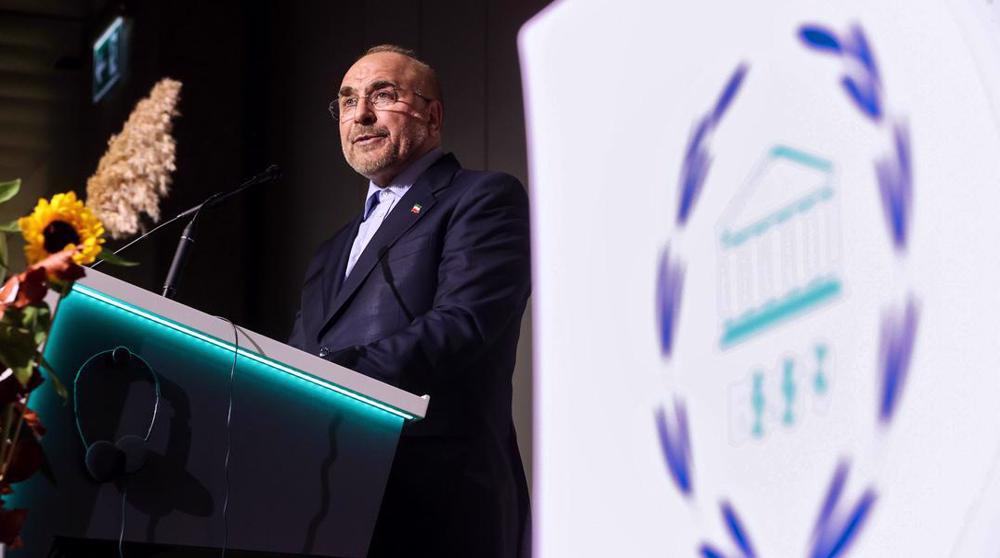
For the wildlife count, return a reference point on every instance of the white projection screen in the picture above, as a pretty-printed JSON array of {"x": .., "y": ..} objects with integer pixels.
[{"x": 766, "y": 242}]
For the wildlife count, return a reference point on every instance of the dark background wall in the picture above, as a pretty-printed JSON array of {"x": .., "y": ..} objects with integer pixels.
[{"x": 257, "y": 80}]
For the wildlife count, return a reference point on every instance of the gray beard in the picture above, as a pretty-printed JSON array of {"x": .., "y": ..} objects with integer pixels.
[{"x": 368, "y": 167}]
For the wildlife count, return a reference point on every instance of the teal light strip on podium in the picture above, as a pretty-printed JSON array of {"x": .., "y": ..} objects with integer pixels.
[{"x": 228, "y": 346}]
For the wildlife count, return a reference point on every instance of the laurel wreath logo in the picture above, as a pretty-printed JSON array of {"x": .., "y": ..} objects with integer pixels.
[{"x": 837, "y": 525}]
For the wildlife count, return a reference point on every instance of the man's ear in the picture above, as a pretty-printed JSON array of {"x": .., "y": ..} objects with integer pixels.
[{"x": 435, "y": 116}]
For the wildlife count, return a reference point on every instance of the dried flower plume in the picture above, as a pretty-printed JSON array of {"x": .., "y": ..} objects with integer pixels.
[{"x": 134, "y": 174}]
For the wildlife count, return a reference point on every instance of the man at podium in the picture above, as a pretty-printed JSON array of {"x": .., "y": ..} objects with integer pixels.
[{"x": 425, "y": 290}]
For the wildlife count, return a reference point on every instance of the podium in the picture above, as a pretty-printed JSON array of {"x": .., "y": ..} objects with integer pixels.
[{"x": 311, "y": 443}]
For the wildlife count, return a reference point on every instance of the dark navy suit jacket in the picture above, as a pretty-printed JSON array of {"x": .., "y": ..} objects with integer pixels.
[{"x": 433, "y": 306}]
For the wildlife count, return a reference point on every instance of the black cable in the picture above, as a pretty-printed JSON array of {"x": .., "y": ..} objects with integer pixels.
[
  {"x": 121, "y": 533},
  {"x": 229, "y": 420},
  {"x": 137, "y": 239}
]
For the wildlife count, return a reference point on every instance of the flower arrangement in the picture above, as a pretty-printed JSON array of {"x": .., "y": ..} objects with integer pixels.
[{"x": 61, "y": 235}]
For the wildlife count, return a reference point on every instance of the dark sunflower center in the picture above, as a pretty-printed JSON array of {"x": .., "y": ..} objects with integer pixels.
[{"x": 58, "y": 234}]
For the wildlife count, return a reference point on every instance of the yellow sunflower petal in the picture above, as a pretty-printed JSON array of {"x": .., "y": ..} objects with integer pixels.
[{"x": 68, "y": 209}]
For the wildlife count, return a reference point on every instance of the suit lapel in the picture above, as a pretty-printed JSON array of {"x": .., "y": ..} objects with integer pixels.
[
  {"x": 324, "y": 280},
  {"x": 399, "y": 220},
  {"x": 338, "y": 263}
]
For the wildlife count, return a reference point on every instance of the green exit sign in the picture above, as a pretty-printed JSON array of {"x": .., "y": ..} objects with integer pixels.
[{"x": 108, "y": 49}]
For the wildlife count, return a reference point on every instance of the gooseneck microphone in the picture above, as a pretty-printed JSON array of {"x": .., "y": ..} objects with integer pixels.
[
  {"x": 271, "y": 173},
  {"x": 187, "y": 237},
  {"x": 180, "y": 256}
]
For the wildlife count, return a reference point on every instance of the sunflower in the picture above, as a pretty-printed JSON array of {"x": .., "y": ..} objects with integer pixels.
[{"x": 59, "y": 224}]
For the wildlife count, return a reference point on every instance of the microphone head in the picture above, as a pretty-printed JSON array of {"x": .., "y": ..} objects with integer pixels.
[{"x": 272, "y": 172}]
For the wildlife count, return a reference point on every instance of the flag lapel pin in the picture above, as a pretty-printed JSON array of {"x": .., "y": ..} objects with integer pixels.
[{"x": 415, "y": 209}]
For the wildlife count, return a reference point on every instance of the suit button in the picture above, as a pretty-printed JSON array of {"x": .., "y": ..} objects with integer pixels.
[{"x": 324, "y": 352}]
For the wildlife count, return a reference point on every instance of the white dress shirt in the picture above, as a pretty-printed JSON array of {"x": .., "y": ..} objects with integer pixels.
[{"x": 381, "y": 200}]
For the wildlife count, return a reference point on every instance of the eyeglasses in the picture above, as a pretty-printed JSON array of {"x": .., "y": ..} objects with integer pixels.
[{"x": 342, "y": 108}]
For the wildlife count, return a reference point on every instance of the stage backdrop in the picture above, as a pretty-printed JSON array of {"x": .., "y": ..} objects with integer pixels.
[{"x": 766, "y": 273}]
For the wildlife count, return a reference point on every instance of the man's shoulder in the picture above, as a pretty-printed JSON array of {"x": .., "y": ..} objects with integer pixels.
[
  {"x": 472, "y": 178},
  {"x": 470, "y": 184}
]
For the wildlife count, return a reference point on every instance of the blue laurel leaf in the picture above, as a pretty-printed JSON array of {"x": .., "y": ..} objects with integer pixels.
[
  {"x": 833, "y": 535},
  {"x": 697, "y": 159},
  {"x": 862, "y": 82},
  {"x": 853, "y": 525},
  {"x": 697, "y": 139},
  {"x": 737, "y": 531},
  {"x": 693, "y": 171},
  {"x": 832, "y": 496},
  {"x": 669, "y": 285},
  {"x": 726, "y": 98},
  {"x": 862, "y": 52},
  {"x": 892, "y": 202},
  {"x": 864, "y": 96},
  {"x": 895, "y": 179},
  {"x": 685, "y": 442},
  {"x": 708, "y": 551},
  {"x": 819, "y": 38},
  {"x": 901, "y": 135},
  {"x": 898, "y": 335},
  {"x": 676, "y": 447}
]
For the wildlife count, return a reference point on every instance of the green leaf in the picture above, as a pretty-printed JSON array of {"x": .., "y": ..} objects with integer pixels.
[
  {"x": 37, "y": 319},
  {"x": 23, "y": 373},
  {"x": 111, "y": 258},
  {"x": 57, "y": 382},
  {"x": 3, "y": 257},
  {"x": 9, "y": 189},
  {"x": 12, "y": 227},
  {"x": 17, "y": 349}
]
